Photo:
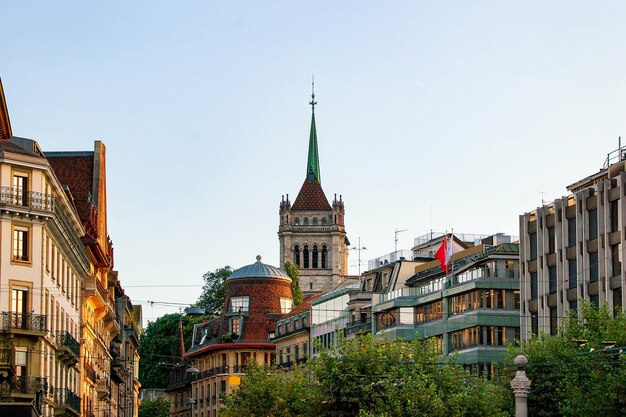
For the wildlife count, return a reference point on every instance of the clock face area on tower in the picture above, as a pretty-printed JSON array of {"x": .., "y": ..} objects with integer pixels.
[{"x": 311, "y": 231}]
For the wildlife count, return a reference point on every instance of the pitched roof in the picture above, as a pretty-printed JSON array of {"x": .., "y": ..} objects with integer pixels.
[
  {"x": 311, "y": 197},
  {"x": 75, "y": 171},
  {"x": 313, "y": 160},
  {"x": 5, "y": 123}
]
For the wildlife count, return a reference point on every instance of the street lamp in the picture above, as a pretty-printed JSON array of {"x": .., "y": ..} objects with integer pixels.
[{"x": 191, "y": 371}]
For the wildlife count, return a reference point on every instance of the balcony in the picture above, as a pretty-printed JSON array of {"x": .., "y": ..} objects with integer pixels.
[
  {"x": 104, "y": 390},
  {"x": 67, "y": 402},
  {"x": 95, "y": 291},
  {"x": 22, "y": 385},
  {"x": 6, "y": 357},
  {"x": 69, "y": 348},
  {"x": 90, "y": 373},
  {"x": 24, "y": 323},
  {"x": 240, "y": 369},
  {"x": 17, "y": 198},
  {"x": 355, "y": 327}
]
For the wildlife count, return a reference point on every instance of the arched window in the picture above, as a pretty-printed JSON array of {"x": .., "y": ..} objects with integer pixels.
[
  {"x": 296, "y": 255},
  {"x": 315, "y": 257},
  {"x": 324, "y": 221},
  {"x": 306, "y": 221},
  {"x": 314, "y": 220},
  {"x": 296, "y": 221},
  {"x": 324, "y": 256},
  {"x": 305, "y": 254}
]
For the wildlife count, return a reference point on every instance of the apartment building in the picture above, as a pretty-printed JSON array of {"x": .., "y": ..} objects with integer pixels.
[{"x": 572, "y": 249}]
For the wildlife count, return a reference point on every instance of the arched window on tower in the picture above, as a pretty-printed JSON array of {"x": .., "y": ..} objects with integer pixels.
[
  {"x": 314, "y": 220},
  {"x": 315, "y": 257},
  {"x": 324, "y": 256},
  {"x": 296, "y": 221},
  {"x": 296, "y": 255},
  {"x": 305, "y": 254},
  {"x": 324, "y": 221},
  {"x": 306, "y": 221}
]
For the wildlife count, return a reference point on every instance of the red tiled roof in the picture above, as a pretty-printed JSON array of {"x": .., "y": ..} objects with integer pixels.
[
  {"x": 5, "y": 123},
  {"x": 311, "y": 197},
  {"x": 77, "y": 173}
]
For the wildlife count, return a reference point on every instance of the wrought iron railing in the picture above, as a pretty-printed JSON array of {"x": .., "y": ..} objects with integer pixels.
[
  {"x": 64, "y": 396},
  {"x": 23, "y": 385},
  {"x": 6, "y": 356},
  {"x": 65, "y": 339},
  {"x": 19, "y": 198},
  {"x": 240, "y": 369},
  {"x": 24, "y": 321}
]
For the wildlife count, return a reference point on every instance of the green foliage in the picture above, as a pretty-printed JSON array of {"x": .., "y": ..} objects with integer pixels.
[
  {"x": 157, "y": 348},
  {"x": 369, "y": 377},
  {"x": 214, "y": 290},
  {"x": 574, "y": 373},
  {"x": 159, "y": 407},
  {"x": 293, "y": 272}
]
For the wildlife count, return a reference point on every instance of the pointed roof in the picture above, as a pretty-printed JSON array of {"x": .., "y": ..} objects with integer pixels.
[
  {"x": 313, "y": 161},
  {"x": 180, "y": 346},
  {"x": 311, "y": 197},
  {"x": 5, "y": 123}
]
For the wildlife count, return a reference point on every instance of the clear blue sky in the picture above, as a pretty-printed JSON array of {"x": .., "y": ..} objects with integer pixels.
[{"x": 431, "y": 115}]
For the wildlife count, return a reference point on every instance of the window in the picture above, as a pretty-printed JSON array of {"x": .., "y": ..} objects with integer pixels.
[
  {"x": 234, "y": 326},
  {"x": 20, "y": 361},
  {"x": 306, "y": 221},
  {"x": 573, "y": 305},
  {"x": 305, "y": 254},
  {"x": 315, "y": 256},
  {"x": 551, "y": 240},
  {"x": 239, "y": 304},
  {"x": 532, "y": 238},
  {"x": 571, "y": 232},
  {"x": 324, "y": 220},
  {"x": 593, "y": 224},
  {"x": 552, "y": 279},
  {"x": 534, "y": 288},
  {"x": 593, "y": 267},
  {"x": 19, "y": 300},
  {"x": 406, "y": 315},
  {"x": 324, "y": 256},
  {"x": 615, "y": 260},
  {"x": 315, "y": 221},
  {"x": 614, "y": 216},
  {"x": 534, "y": 324},
  {"x": 296, "y": 221},
  {"x": 617, "y": 301},
  {"x": 20, "y": 243},
  {"x": 286, "y": 304},
  {"x": 20, "y": 189},
  {"x": 573, "y": 273},
  {"x": 296, "y": 255},
  {"x": 553, "y": 321},
  {"x": 516, "y": 300},
  {"x": 595, "y": 300}
]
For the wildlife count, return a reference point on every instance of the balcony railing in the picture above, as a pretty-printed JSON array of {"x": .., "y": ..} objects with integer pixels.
[
  {"x": 18, "y": 198},
  {"x": 65, "y": 339},
  {"x": 24, "y": 321},
  {"x": 358, "y": 326},
  {"x": 240, "y": 369},
  {"x": 23, "y": 385},
  {"x": 6, "y": 357},
  {"x": 66, "y": 397}
]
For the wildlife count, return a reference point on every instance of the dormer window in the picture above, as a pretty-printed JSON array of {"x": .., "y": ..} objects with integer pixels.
[
  {"x": 239, "y": 304},
  {"x": 286, "y": 304}
]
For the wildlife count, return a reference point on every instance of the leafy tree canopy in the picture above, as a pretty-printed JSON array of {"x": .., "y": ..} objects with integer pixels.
[
  {"x": 157, "y": 347},
  {"x": 214, "y": 290},
  {"x": 159, "y": 407},
  {"x": 292, "y": 270},
  {"x": 369, "y": 377},
  {"x": 576, "y": 372}
]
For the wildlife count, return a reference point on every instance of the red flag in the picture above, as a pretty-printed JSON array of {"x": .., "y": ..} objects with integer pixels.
[{"x": 443, "y": 255}]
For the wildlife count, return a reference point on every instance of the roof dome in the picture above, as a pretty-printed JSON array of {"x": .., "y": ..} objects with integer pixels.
[{"x": 258, "y": 270}]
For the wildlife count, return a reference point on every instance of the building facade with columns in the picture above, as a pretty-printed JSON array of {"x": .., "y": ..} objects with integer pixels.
[{"x": 311, "y": 231}]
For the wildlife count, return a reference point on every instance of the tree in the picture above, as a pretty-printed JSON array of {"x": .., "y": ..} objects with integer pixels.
[
  {"x": 369, "y": 377},
  {"x": 576, "y": 372},
  {"x": 158, "y": 345},
  {"x": 214, "y": 290},
  {"x": 293, "y": 272},
  {"x": 159, "y": 407}
]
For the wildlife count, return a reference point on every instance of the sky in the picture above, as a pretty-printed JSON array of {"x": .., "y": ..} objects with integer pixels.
[{"x": 431, "y": 115}]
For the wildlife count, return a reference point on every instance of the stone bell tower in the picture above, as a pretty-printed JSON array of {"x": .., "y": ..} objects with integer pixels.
[{"x": 312, "y": 233}]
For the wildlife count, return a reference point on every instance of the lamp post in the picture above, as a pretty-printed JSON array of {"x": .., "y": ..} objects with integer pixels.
[
  {"x": 521, "y": 387},
  {"x": 192, "y": 371}
]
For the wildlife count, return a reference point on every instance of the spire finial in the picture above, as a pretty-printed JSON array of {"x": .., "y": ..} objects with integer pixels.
[{"x": 313, "y": 102}]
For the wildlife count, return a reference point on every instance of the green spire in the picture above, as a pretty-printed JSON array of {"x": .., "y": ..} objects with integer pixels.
[{"x": 313, "y": 163}]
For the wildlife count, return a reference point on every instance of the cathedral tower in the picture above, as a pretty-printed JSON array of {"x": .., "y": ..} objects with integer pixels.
[{"x": 312, "y": 233}]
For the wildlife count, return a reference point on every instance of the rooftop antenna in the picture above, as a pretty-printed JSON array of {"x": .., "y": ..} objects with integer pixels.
[
  {"x": 359, "y": 248},
  {"x": 313, "y": 102},
  {"x": 396, "y": 238}
]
